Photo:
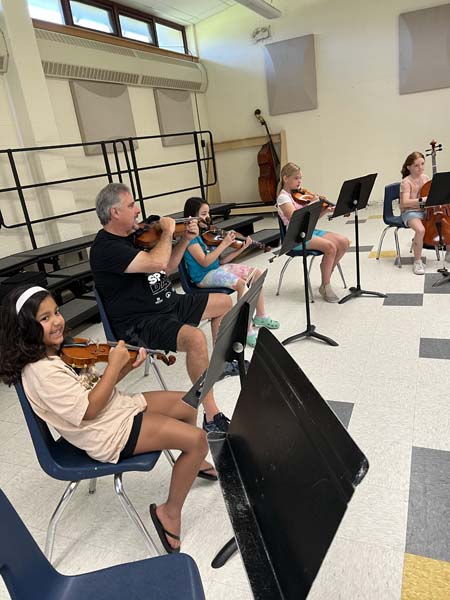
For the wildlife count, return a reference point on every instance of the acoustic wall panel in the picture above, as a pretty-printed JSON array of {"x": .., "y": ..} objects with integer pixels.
[
  {"x": 291, "y": 75},
  {"x": 103, "y": 112},
  {"x": 174, "y": 110},
  {"x": 424, "y": 52}
]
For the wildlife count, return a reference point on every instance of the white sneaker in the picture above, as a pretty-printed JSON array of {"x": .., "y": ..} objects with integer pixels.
[
  {"x": 418, "y": 268},
  {"x": 327, "y": 293},
  {"x": 447, "y": 256}
]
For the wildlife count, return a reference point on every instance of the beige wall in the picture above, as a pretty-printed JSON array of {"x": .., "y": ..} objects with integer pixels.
[
  {"x": 362, "y": 124},
  {"x": 149, "y": 152}
]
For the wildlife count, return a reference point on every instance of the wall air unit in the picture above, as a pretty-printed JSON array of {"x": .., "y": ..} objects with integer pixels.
[
  {"x": 70, "y": 57},
  {"x": 3, "y": 53}
]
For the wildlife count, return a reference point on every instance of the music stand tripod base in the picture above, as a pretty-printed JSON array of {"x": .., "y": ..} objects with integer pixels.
[
  {"x": 355, "y": 292},
  {"x": 310, "y": 332}
]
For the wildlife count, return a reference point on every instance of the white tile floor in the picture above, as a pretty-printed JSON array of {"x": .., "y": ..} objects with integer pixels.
[{"x": 400, "y": 400}]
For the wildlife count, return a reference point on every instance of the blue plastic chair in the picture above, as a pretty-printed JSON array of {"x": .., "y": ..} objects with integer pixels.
[
  {"x": 391, "y": 195},
  {"x": 65, "y": 462},
  {"x": 150, "y": 362},
  {"x": 29, "y": 575},
  {"x": 190, "y": 288},
  {"x": 295, "y": 253}
]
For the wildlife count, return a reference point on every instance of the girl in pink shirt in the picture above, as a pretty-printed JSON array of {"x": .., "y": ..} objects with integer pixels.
[{"x": 412, "y": 215}]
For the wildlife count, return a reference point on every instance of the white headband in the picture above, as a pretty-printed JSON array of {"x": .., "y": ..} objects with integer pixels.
[{"x": 26, "y": 295}]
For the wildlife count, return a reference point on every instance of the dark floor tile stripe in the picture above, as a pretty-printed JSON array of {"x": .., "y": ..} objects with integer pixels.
[
  {"x": 361, "y": 249},
  {"x": 429, "y": 504},
  {"x": 403, "y": 300},
  {"x": 434, "y": 348},
  {"x": 431, "y": 278},
  {"x": 343, "y": 410}
]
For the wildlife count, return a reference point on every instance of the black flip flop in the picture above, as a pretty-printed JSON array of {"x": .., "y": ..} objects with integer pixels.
[
  {"x": 203, "y": 474},
  {"x": 163, "y": 533}
]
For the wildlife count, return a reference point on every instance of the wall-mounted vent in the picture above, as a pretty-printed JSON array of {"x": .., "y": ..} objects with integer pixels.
[
  {"x": 61, "y": 38},
  {"x": 79, "y": 58},
  {"x": 65, "y": 71},
  {"x": 176, "y": 84}
]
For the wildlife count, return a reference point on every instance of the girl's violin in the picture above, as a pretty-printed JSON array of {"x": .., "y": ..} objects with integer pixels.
[
  {"x": 81, "y": 353},
  {"x": 304, "y": 196},
  {"x": 215, "y": 236},
  {"x": 149, "y": 233}
]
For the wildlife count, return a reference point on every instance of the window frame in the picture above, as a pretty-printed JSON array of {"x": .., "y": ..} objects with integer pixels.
[
  {"x": 172, "y": 26},
  {"x": 115, "y": 9},
  {"x": 135, "y": 14},
  {"x": 97, "y": 4}
]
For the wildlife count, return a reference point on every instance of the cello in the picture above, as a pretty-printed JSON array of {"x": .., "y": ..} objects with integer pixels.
[
  {"x": 437, "y": 218},
  {"x": 269, "y": 166}
]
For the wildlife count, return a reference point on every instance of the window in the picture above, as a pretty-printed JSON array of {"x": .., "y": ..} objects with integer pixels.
[
  {"x": 92, "y": 17},
  {"x": 108, "y": 16},
  {"x": 170, "y": 38},
  {"x": 136, "y": 29},
  {"x": 46, "y": 10}
]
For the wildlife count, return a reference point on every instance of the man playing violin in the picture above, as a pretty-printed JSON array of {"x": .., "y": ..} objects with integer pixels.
[{"x": 141, "y": 303}]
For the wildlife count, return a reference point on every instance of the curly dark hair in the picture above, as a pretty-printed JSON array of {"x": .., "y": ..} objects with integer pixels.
[
  {"x": 21, "y": 336},
  {"x": 192, "y": 206}
]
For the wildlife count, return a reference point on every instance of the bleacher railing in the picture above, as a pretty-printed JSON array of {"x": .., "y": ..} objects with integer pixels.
[{"x": 120, "y": 161}]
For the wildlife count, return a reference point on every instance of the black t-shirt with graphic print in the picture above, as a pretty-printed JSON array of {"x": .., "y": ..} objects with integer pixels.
[{"x": 127, "y": 296}]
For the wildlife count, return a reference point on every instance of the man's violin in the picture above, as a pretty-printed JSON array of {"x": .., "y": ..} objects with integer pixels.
[
  {"x": 215, "y": 236},
  {"x": 81, "y": 353},
  {"x": 149, "y": 232}
]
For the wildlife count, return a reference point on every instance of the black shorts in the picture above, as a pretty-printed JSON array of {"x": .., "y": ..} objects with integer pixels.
[
  {"x": 159, "y": 331},
  {"x": 129, "y": 447}
]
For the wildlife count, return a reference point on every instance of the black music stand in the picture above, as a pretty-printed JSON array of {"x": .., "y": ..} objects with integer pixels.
[
  {"x": 299, "y": 231},
  {"x": 440, "y": 195},
  {"x": 287, "y": 472},
  {"x": 354, "y": 196},
  {"x": 230, "y": 343}
]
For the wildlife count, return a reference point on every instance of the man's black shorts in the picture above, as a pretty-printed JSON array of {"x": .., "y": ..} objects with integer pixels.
[{"x": 160, "y": 330}]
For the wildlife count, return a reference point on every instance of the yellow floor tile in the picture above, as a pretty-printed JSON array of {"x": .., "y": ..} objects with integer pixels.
[
  {"x": 425, "y": 579},
  {"x": 375, "y": 217},
  {"x": 383, "y": 254}
]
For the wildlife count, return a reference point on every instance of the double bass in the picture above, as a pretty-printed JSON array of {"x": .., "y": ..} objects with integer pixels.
[
  {"x": 269, "y": 166},
  {"x": 437, "y": 218}
]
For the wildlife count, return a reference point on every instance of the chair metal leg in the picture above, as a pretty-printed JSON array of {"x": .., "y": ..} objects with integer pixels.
[
  {"x": 131, "y": 512},
  {"x": 92, "y": 485},
  {"x": 51, "y": 529},
  {"x": 280, "y": 281},
  {"x": 311, "y": 295},
  {"x": 398, "y": 259},
  {"x": 167, "y": 453},
  {"x": 381, "y": 241},
  {"x": 341, "y": 273}
]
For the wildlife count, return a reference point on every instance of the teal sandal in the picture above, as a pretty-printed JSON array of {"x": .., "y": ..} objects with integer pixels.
[{"x": 266, "y": 322}]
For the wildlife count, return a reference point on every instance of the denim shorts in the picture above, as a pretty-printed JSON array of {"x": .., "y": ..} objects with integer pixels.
[
  {"x": 316, "y": 233},
  {"x": 412, "y": 214}
]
